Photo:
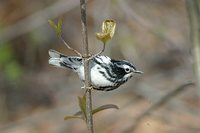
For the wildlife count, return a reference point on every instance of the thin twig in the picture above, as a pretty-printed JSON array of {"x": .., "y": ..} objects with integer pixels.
[
  {"x": 89, "y": 118},
  {"x": 70, "y": 48},
  {"x": 158, "y": 104},
  {"x": 99, "y": 53}
]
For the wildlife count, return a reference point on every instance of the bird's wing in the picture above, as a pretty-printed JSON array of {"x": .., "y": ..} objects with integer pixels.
[{"x": 60, "y": 60}]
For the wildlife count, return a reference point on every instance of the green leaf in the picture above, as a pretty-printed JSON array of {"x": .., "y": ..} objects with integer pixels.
[
  {"x": 103, "y": 107},
  {"x": 108, "y": 30},
  {"x": 109, "y": 26},
  {"x": 104, "y": 37},
  {"x": 52, "y": 24},
  {"x": 72, "y": 117},
  {"x": 82, "y": 105},
  {"x": 60, "y": 22},
  {"x": 57, "y": 27}
]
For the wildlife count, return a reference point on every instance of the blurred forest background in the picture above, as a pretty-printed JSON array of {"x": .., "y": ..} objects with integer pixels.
[{"x": 153, "y": 34}]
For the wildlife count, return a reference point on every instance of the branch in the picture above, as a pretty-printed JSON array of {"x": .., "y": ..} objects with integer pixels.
[
  {"x": 99, "y": 53},
  {"x": 70, "y": 48},
  {"x": 158, "y": 104},
  {"x": 86, "y": 68}
]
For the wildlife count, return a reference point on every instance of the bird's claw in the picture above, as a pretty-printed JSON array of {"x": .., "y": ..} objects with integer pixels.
[{"x": 87, "y": 88}]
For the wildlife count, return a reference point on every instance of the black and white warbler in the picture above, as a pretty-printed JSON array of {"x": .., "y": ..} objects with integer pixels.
[{"x": 106, "y": 74}]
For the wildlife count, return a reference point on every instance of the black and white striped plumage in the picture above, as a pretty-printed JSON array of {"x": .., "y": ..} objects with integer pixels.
[{"x": 106, "y": 74}]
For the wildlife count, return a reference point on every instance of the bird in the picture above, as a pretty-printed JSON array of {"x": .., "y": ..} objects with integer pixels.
[{"x": 106, "y": 74}]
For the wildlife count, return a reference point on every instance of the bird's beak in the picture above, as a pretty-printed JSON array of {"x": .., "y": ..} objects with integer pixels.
[{"x": 139, "y": 72}]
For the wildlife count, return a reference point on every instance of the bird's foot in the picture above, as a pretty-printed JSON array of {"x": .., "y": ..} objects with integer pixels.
[{"x": 87, "y": 88}]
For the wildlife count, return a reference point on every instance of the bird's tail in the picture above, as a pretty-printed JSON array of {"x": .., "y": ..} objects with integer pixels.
[{"x": 60, "y": 60}]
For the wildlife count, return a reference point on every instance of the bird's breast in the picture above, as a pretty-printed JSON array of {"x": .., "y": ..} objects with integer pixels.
[{"x": 98, "y": 78}]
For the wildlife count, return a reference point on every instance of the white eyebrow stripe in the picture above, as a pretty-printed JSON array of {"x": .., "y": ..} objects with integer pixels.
[{"x": 126, "y": 66}]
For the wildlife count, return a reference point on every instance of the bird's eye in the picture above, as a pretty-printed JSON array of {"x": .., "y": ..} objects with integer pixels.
[{"x": 127, "y": 70}]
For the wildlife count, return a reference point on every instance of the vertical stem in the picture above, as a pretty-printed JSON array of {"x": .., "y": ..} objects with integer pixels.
[
  {"x": 86, "y": 68},
  {"x": 193, "y": 7}
]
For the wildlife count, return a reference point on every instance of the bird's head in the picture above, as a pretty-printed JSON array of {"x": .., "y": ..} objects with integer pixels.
[
  {"x": 129, "y": 70},
  {"x": 125, "y": 69}
]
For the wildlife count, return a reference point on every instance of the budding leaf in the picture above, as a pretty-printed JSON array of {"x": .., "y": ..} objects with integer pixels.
[
  {"x": 81, "y": 114},
  {"x": 82, "y": 105},
  {"x": 108, "y": 30},
  {"x": 57, "y": 27},
  {"x": 104, "y": 37},
  {"x": 60, "y": 22},
  {"x": 103, "y": 107},
  {"x": 52, "y": 24},
  {"x": 72, "y": 117},
  {"x": 109, "y": 26}
]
